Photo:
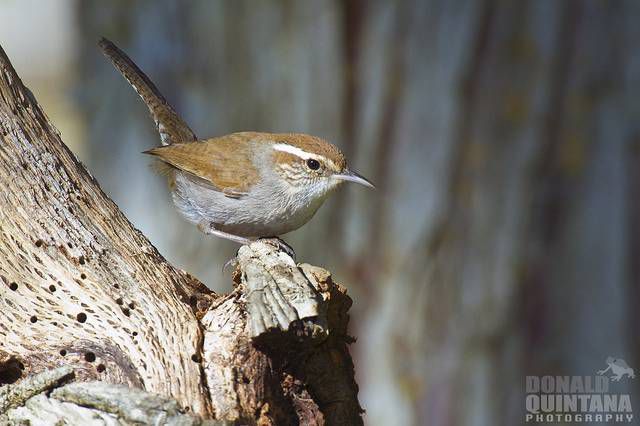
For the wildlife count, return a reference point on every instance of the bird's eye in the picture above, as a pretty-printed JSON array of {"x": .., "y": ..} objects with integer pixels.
[{"x": 313, "y": 164}]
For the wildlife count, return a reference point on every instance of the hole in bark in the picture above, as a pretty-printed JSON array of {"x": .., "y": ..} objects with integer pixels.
[
  {"x": 55, "y": 324},
  {"x": 101, "y": 368},
  {"x": 11, "y": 372},
  {"x": 116, "y": 285},
  {"x": 39, "y": 243},
  {"x": 81, "y": 260},
  {"x": 52, "y": 288},
  {"x": 13, "y": 286},
  {"x": 81, "y": 317},
  {"x": 83, "y": 275},
  {"x": 69, "y": 245},
  {"x": 63, "y": 352},
  {"x": 119, "y": 301},
  {"x": 135, "y": 333},
  {"x": 187, "y": 409},
  {"x": 132, "y": 305},
  {"x": 90, "y": 357},
  {"x": 195, "y": 358},
  {"x": 126, "y": 311},
  {"x": 33, "y": 319}
]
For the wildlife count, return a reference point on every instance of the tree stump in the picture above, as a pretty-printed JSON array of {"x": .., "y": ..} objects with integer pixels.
[{"x": 86, "y": 298}]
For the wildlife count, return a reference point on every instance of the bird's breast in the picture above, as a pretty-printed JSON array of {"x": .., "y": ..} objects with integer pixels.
[{"x": 269, "y": 209}]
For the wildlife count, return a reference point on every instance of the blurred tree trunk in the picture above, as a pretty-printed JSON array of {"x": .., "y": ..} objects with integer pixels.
[
  {"x": 527, "y": 261},
  {"x": 502, "y": 135}
]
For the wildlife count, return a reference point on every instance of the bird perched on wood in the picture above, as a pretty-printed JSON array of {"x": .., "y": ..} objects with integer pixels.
[{"x": 243, "y": 185}]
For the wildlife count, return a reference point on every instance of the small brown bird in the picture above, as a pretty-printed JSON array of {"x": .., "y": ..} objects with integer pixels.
[{"x": 242, "y": 185}]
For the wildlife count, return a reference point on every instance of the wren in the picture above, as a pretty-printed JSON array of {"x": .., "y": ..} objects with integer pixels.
[{"x": 244, "y": 185}]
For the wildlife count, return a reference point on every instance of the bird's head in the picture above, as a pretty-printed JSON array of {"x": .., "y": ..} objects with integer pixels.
[{"x": 310, "y": 163}]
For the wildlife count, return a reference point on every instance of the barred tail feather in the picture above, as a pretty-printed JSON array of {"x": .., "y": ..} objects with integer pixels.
[{"x": 171, "y": 127}]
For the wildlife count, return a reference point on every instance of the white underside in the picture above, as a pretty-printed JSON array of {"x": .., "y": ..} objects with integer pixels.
[{"x": 273, "y": 208}]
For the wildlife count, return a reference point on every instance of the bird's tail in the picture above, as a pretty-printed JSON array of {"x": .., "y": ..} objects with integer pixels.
[{"x": 171, "y": 127}]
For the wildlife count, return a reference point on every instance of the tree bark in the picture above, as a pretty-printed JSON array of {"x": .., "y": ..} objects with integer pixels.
[{"x": 80, "y": 287}]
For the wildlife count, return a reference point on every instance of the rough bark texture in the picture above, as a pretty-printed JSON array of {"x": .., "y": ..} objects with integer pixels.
[
  {"x": 42, "y": 400},
  {"x": 79, "y": 286}
]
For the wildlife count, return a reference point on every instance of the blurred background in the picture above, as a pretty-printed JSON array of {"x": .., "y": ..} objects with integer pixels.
[{"x": 504, "y": 137}]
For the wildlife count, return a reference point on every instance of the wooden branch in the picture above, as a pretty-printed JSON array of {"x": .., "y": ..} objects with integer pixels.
[
  {"x": 43, "y": 399},
  {"x": 289, "y": 322},
  {"x": 80, "y": 287}
]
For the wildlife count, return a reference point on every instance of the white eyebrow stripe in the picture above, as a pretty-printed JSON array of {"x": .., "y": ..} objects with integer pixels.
[
  {"x": 301, "y": 153},
  {"x": 294, "y": 150}
]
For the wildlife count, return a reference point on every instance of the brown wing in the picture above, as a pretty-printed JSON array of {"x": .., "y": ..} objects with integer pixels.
[{"x": 225, "y": 162}]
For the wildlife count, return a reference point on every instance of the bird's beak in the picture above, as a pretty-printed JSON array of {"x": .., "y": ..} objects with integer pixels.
[{"x": 354, "y": 177}]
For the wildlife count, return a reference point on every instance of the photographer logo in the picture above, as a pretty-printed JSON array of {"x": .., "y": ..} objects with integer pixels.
[{"x": 580, "y": 399}]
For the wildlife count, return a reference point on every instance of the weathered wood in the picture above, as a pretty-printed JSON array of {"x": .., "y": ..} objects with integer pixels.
[
  {"x": 87, "y": 403},
  {"x": 290, "y": 322},
  {"x": 13, "y": 396},
  {"x": 80, "y": 286}
]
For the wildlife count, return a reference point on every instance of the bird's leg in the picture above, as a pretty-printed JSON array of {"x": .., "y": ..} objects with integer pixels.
[
  {"x": 280, "y": 245},
  {"x": 230, "y": 264},
  {"x": 209, "y": 229}
]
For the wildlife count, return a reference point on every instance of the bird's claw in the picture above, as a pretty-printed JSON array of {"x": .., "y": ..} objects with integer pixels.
[{"x": 230, "y": 264}]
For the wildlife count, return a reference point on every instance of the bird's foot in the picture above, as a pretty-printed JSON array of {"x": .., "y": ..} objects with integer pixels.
[
  {"x": 280, "y": 245},
  {"x": 276, "y": 242}
]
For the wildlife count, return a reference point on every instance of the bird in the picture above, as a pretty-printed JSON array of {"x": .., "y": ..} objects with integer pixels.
[{"x": 242, "y": 186}]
